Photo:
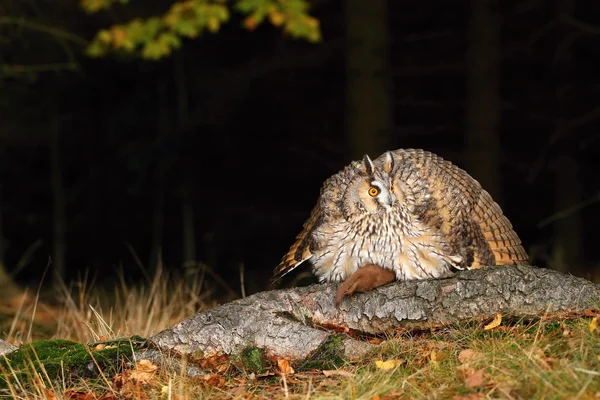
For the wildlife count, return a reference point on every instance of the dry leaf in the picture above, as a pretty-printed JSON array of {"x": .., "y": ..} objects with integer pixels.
[
  {"x": 496, "y": 322},
  {"x": 49, "y": 394},
  {"x": 215, "y": 380},
  {"x": 469, "y": 355},
  {"x": 543, "y": 360},
  {"x": 472, "y": 396},
  {"x": 338, "y": 372},
  {"x": 144, "y": 371},
  {"x": 389, "y": 364},
  {"x": 437, "y": 356},
  {"x": 99, "y": 346},
  {"x": 476, "y": 379},
  {"x": 285, "y": 367},
  {"x": 72, "y": 394},
  {"x": 593, "y": 324}
]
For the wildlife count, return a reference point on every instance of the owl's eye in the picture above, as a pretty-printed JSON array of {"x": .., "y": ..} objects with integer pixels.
[{"x": 373, "y": 191}]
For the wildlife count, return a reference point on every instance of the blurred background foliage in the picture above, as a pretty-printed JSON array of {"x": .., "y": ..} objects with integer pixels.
[{"x": 198, "y": 133}]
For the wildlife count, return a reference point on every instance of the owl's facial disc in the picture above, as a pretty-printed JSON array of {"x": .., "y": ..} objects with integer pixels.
[{"x": 378, "y": 191}]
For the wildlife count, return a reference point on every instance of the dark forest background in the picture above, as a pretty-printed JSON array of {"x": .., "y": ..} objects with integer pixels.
[{"x": 214, "y": 154}]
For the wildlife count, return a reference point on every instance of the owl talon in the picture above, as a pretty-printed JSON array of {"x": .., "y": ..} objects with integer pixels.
[{"x": 364, "y": 279}]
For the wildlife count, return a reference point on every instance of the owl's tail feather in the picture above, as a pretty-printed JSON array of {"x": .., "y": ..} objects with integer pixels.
[
  {"x": 499, "y": 233},
  {"x": 300, "y": 251}
]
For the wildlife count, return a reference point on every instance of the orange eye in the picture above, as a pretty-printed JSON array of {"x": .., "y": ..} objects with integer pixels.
[{"x": 373, "y": 191}]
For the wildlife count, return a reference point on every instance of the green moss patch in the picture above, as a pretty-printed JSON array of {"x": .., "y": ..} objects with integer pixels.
[
  {"x": 254, "y": 360},
  {"x": 329, "y": 355},
  {"x": 57, "y": 358}
]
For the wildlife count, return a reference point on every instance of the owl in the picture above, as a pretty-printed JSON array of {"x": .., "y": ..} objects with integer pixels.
[{"x": 408, "y": 214}]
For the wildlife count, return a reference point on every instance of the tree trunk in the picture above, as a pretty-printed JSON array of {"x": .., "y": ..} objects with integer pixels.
[
  {"x": 368, "y": 83},
  {"x": 59, "y": 218},
  {"x": 187, "y": 209},
  {"x": 294, "y": 323},
  {"x": 483, "y": 103},
  {"x": 160, "y": 181},
  {"x": 2, "y": 239},
  {"x": 9, "y": 288},
  {"x": 567, "y": 245}
]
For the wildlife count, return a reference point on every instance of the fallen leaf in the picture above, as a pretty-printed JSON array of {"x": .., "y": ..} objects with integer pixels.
[
  {"x": 476, "y": 379},
  {"x": 285, "y": 367},
  {"x": 437, "y": 356},
  {"x": 99, "y": 346},
  {"x": 338, "y": 372},
  {"x": 72, "y": 394},
  {"x": 49, "y": 394},
  {"x": 215, "y": 380},
  {"x": 593, "y": 324},
  {"x": 144, "y": 371},
  {"x": 472, "y": 396},
  {"x": 389, "y": 364},
  {"x": 543, "y": 360},
  {"x": 469, "y": 355},
  {"x": 496, "y": 322}
]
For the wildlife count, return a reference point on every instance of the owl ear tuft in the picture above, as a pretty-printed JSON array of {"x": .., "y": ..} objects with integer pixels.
[
  {"x": 388, "y": 162},
  {"x": 368, "y": 164}
]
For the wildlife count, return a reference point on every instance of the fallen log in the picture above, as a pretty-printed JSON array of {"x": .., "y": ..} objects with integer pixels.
[{"x": 295, "y": 323}]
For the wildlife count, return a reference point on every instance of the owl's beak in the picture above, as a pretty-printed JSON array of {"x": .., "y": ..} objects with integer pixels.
[{"x": 388, "y": 200}]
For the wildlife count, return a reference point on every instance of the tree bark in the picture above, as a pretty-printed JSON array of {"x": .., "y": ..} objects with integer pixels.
[
  {"x": 368, "y": 83},
  {"x": 188, "y": 230},
  {"x": 482, "y": 111},
  {"x": 160, "y": 182},
  {"x": 294, "y": 323}
]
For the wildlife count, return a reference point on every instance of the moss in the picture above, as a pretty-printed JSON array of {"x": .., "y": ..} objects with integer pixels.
[
  {"x": 60, "y": 358},
  {"x": 329, "y": 354},
  {"x": 255, "y": 360}
]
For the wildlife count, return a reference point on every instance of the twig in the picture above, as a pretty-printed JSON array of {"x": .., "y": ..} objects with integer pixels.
[
  {"x": 556, "y": 135},
  {"x": 568, "y": 211},
  {"x": 34, "y": 26},
  {"x": 584, "y": 26},
  {"x": 17, "y": 69}
]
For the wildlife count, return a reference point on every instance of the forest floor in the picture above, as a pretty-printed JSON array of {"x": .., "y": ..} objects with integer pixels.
[{"x": 503, "y": 359}]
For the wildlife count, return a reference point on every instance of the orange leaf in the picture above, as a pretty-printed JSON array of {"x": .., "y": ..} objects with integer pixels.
[
  {"x": 72, "y": 394},
  {"x": 285, "y": 367},
  {"x": 468, "y": 355},
  {"x": 215, "y": 380},
  {"x": 476, "y": 379},
  {"x": 250, "y": 23},
  {"x": 496, "y": 322}
]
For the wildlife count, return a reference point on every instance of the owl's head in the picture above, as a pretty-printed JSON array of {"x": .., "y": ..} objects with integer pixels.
[{"x": 371, "y": 188}]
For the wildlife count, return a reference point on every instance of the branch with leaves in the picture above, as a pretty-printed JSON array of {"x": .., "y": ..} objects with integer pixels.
[{"x": 157, "y": 37}]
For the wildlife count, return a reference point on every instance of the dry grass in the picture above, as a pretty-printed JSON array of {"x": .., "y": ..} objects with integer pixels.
[{"x": 542, "y": 359}]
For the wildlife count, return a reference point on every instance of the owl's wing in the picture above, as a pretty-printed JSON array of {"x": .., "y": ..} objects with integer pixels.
[
  {"x": 301, "y": 249},
  {"x": 448, "y": 199}
]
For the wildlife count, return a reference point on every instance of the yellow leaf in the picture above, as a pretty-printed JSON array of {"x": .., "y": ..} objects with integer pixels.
[
  {"x": 276, "y": 18},
  {"x": 593, "y": 324},
  {"x": 389, "y": 364},
  {"x": 213, "y": 24},
  {"x": 496, "y": 322}
]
